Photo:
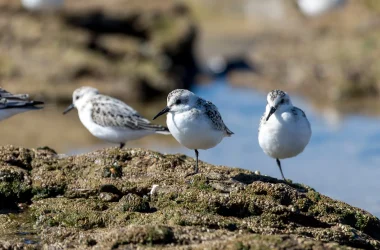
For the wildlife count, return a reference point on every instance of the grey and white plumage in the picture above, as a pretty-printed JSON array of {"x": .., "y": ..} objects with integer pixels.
[
  {"x": 111, "y": 119},
  {"x": 193, "y": 121},
  {"x": 201, "y": 107},
  {"x": 12, "y": 104},
  {"x": 284, "y": 130}
]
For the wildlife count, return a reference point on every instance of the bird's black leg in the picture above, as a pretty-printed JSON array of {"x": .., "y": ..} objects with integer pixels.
[
  {"x": 196, "y": 164},
  {"x": 279, "y": 166},
  {"x": 122, "y": 144}
]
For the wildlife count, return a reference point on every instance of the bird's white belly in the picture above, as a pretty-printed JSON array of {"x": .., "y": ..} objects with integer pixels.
[
  {"x": 284, "y": 139},
  {"x": 193, "y": 133},
  {"x": 111, "y": 134}
]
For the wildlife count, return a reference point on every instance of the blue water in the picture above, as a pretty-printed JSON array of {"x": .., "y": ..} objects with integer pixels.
[{"x": 341, "y": 161}]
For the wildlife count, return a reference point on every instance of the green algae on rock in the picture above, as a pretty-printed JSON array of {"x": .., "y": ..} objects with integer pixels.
[{"x": 73, "y": 204}]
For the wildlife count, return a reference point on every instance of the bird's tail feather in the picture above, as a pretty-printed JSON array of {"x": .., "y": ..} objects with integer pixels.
[{"x": 163, "y": 130}]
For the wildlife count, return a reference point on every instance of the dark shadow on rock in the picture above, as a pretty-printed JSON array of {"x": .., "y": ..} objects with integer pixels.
[
  {"x": 250, "y": 178},
  {"x": 15, "y": 187},
  {"x": 307, "y": 221},
  {"x": 109, "y": 188},
  {"x": 239, "y": 210}
]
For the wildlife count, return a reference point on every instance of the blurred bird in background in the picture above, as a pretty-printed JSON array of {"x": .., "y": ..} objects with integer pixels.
[
  {"x": 318, "y": 7},
  {"x": 37, "y": 5},
  {"x": 13, "y": 104}
]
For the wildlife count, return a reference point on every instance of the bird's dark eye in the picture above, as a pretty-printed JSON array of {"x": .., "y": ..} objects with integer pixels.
[
  {"x": 178, "y": 102},
  {"x": 282, "y": 101},
  {"x": 77, "y": 97}
]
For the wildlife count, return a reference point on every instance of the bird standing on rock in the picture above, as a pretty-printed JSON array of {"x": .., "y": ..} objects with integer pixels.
[
  {"x": 194, "y": 122},
  {"x": 110, "y": 119},
  {"x": 284, "y": 130}
]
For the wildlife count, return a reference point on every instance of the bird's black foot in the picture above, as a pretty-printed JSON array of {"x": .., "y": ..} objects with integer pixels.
[{"x": 191, "y": 174}]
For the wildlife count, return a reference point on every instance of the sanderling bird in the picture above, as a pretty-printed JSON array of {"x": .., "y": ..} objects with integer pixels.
[
  {"x": 284, "y": 129},
  {"x": 318, "y": 7},
  {"x": 11, "y": 104},
  {"x": 35, "y": 5},
  {"x": 194, "y": 122},
  {"x": 110, "y": 119}
]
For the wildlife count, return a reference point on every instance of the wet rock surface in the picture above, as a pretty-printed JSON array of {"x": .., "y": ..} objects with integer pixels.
[{"x": 67, "y": 202}]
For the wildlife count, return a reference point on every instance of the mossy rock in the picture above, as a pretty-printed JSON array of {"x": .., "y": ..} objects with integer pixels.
[
  {"x": 15, "y": 186},
  {"x": 146, "y": 235},
  {"x": 75, "y": 204},
  {"x": 134, "y": 203}
]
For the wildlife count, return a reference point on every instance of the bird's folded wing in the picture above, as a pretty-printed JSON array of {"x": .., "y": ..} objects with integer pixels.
[
  {"x": 117, "y": 114},
  {"x": 215, "y": 117},
  {"x": 9, "y": 100},
  {"x": 5, "y": 94}
]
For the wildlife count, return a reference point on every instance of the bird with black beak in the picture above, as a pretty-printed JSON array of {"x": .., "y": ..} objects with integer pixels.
[
  {"x": 194, "y": 122},
  {"x": 284, "y": 130},
  {"x": 110, "y": 119}
]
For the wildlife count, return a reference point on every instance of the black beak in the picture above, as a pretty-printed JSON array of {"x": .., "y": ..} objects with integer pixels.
[
  {"x": 68, "y": 109},
  {"x": 164, "y": 111},
  {"x": 272, "y": 110}
]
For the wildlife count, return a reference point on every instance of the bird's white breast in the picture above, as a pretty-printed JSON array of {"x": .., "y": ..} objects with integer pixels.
[
  {"x": 284, "y": 135},
  {"x": 193, "y": 130}
]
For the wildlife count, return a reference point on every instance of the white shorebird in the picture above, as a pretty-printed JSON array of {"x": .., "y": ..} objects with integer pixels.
[
  {"x": 36, "y": 5},
  {"x": 110, "y": 119},
  {"x": 284, "y": 129},
  {"x": 318, "y": 7},
  {"x": 194, "y": 122},
  {"x": 11, "y": 104}
]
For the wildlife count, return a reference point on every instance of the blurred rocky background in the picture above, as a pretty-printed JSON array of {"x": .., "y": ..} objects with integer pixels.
[
  {"x": 129, "y": 49},
  {"x": 329, "y": 56},
  {"x": 136, "y": 50}
]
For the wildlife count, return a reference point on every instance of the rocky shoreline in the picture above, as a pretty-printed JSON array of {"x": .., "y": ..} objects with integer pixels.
[
  {"x": 102, "y": 200},
  {"x": 125, "y": 51}
]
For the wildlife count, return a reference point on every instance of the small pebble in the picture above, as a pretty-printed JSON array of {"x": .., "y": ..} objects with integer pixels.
[
  {"x": 154, "y": 189},
  {"x": 104, "y": 196}
]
